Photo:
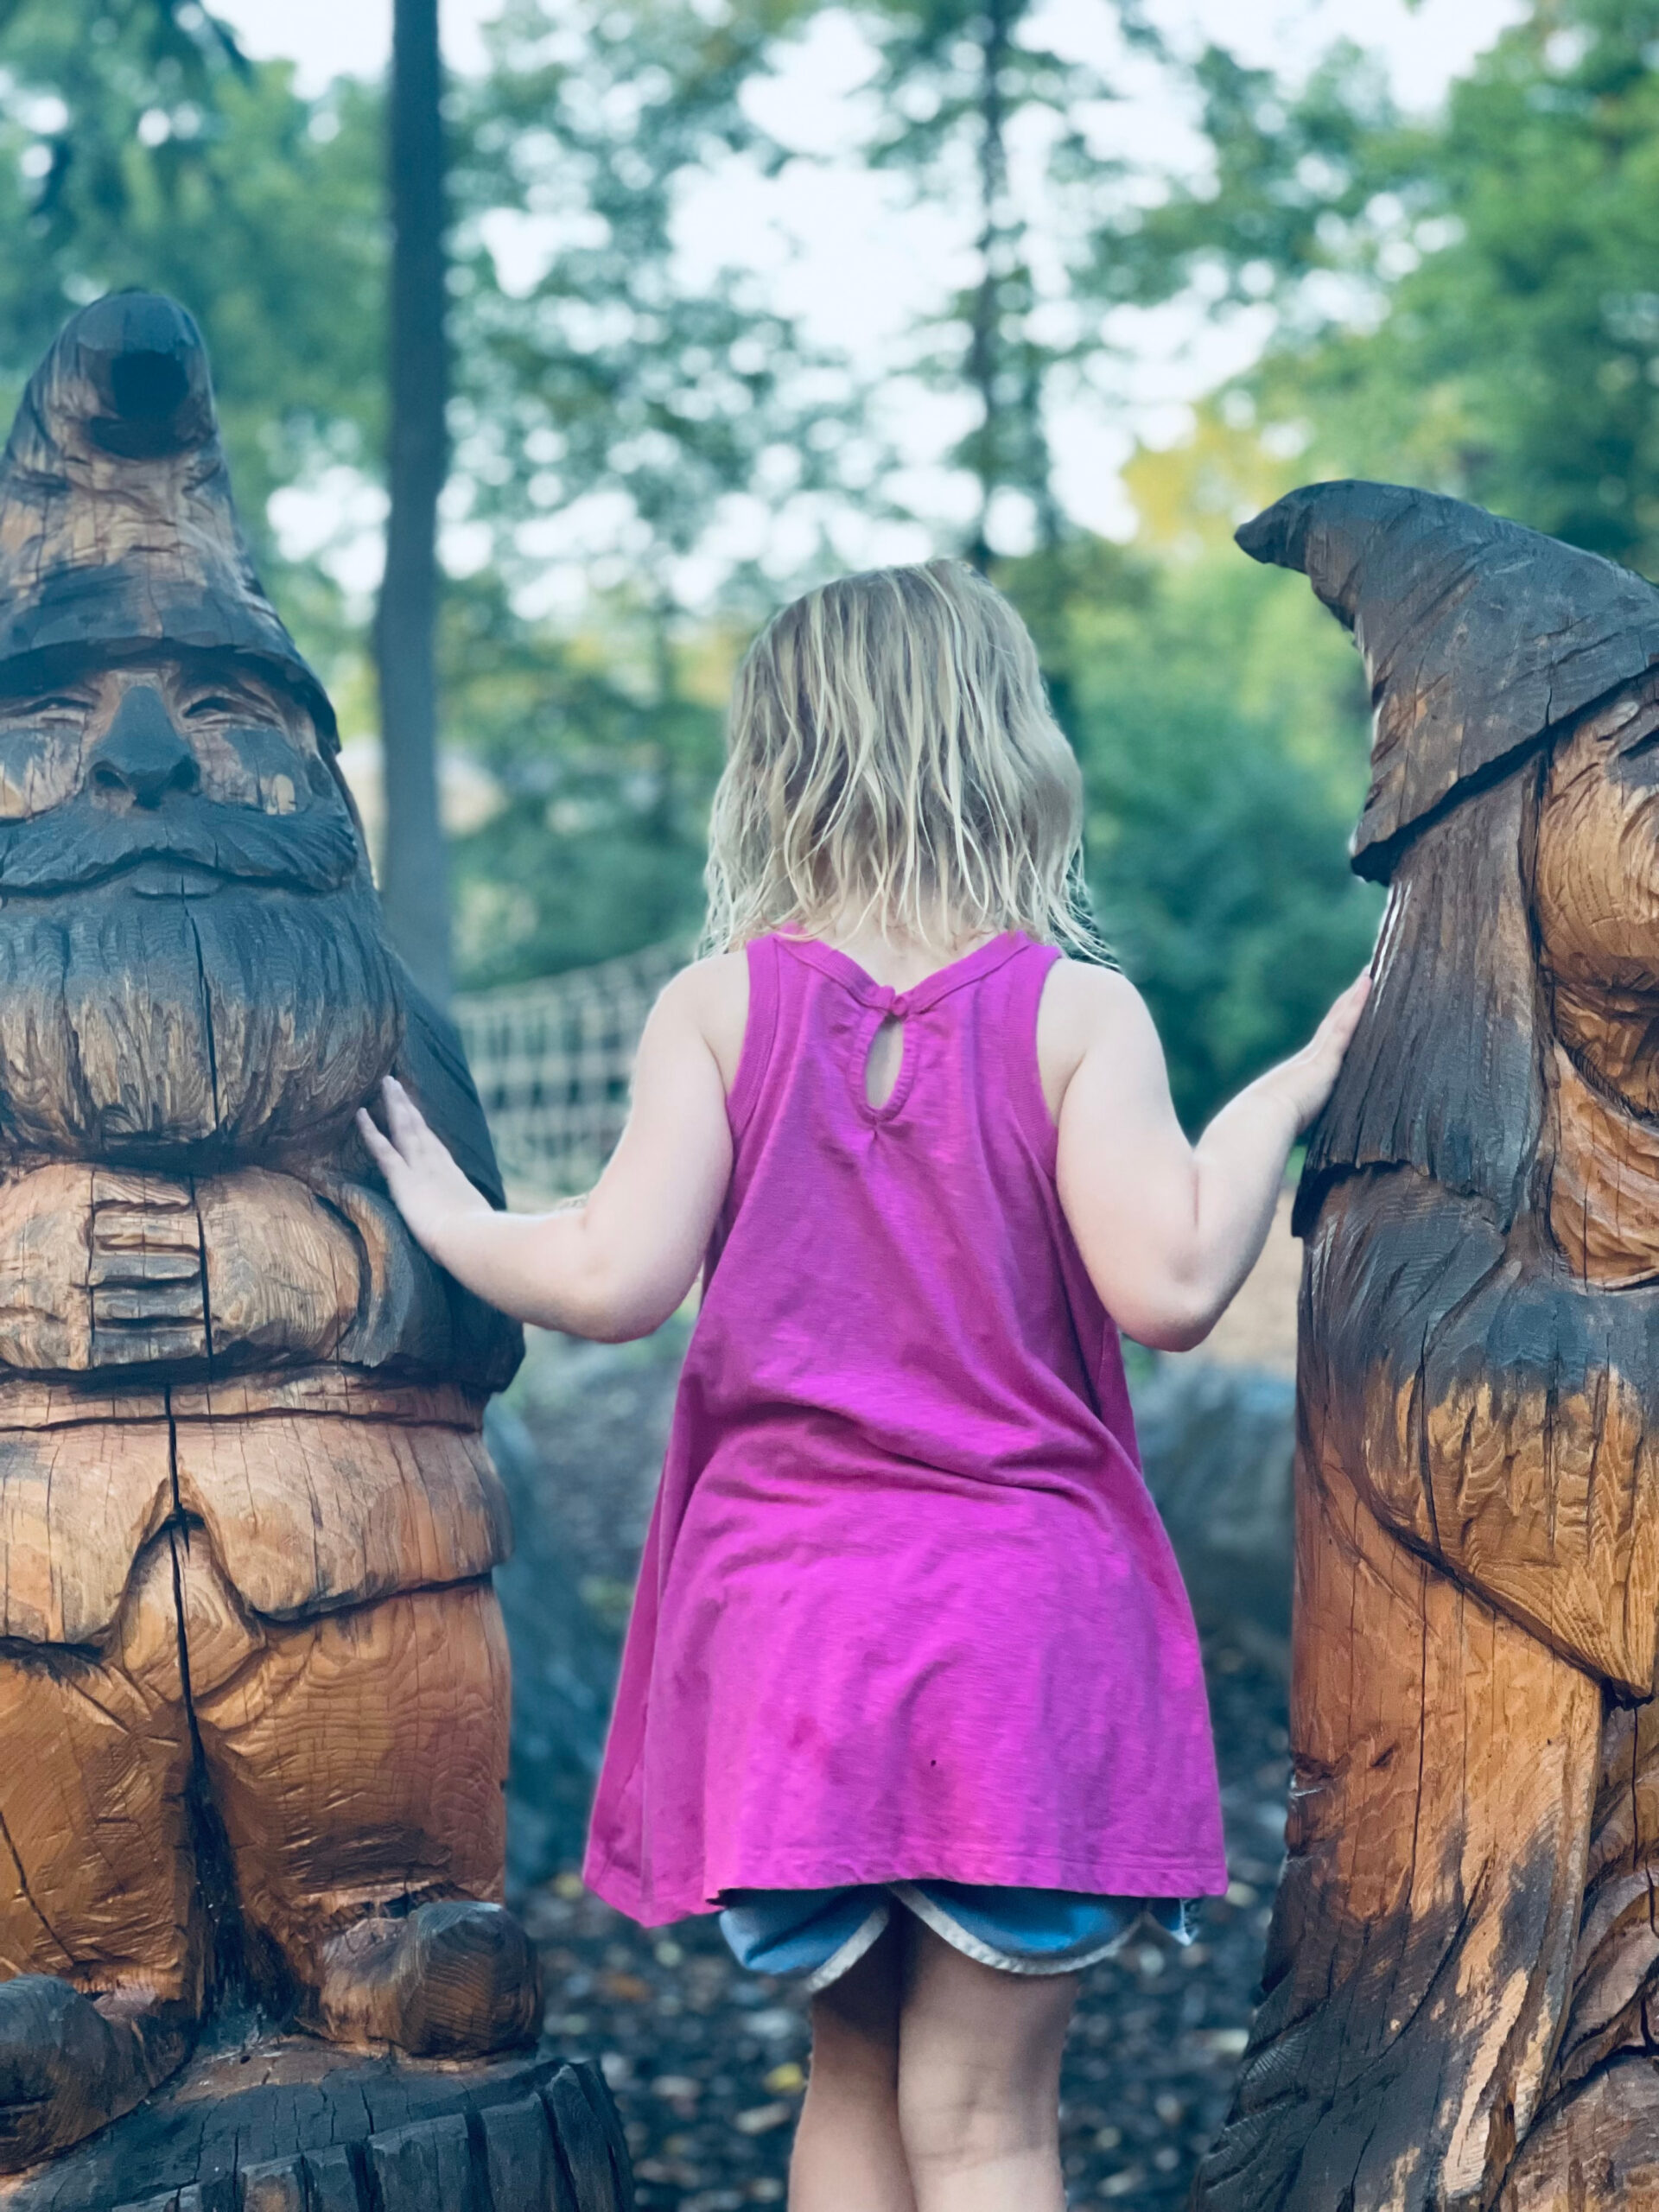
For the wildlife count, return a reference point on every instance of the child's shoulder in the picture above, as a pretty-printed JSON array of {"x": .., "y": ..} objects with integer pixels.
[
  {"x": 1085, "y": 1008},
  {"x": 1094, "y": 1000},
  {"x": 712, "y": 996},
  {"x": 708, "y": 982}
]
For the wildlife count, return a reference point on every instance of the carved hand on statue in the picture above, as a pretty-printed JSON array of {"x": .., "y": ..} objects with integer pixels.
[
  {"x": 46, "y": 1306},
  {"x": 98, "y": 1270},
  {"x": 284, "y": 1270},
  {"x": 144, "y": 1271},
  {"x": 101, "y": 1269}
]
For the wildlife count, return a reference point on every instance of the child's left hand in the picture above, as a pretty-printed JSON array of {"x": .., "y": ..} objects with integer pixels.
[
  {"x": 619, "y": 1264},
  {"x": 427, "y": 1188}
]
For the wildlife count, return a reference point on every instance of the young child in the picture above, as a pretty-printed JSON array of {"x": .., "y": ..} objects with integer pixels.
[{"x": 911, "y": 1691}]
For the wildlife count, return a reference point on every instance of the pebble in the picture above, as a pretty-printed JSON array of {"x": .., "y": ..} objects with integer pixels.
[
  {"x": 1228, "y": 2043},
  {"x": 760, "y": 2120}
]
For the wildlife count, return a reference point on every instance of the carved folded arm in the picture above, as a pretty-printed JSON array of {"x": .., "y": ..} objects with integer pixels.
[
  {"x": 1498, "y": 1413},
  {"x": 100, "y": 1268},
  {"x": 106, "y": 1270}
]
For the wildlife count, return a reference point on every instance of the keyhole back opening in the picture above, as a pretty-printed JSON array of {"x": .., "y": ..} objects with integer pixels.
[{"x": 885, "y": 1059}]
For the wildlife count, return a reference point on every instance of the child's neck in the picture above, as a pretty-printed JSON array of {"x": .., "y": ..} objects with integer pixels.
[{"x": 899, "y": 958}]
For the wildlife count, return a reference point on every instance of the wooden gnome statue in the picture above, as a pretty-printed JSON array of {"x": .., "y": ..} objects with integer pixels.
[
  {"x": 1461, "y": 1992},
  {"x": 253, "y": 1684}
]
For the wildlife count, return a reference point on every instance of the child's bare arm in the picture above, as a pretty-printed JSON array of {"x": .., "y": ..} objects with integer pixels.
[
  {"x": 1168, "y": 1230},
  {"x": 617, "y": 1265}
]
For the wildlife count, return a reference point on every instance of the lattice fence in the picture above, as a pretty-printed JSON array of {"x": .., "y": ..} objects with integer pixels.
[{"x": 552, "y": 1061}]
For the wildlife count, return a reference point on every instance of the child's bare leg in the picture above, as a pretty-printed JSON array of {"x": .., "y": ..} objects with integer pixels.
[
  {"x": 979, "y": 2080},
  {"x": 847, "y": 2157}
]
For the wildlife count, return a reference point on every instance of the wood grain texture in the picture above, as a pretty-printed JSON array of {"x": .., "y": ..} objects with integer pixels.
[
  {"x": 118, "y": 515},
  {"x": 1479, "y": 634},
  {"x": 241, "y": 2128},
  {"x": 301, "y": 1510},
  {"x": 304, "y": 1511},
  {"x": 1461, "y": 1994},
  {"x": 253, "y": 1680}
]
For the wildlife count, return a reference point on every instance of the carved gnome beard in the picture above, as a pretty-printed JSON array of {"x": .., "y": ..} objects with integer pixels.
[
  {"x": 197, "y": 1031},
  {"x": 191, "y": 983}
]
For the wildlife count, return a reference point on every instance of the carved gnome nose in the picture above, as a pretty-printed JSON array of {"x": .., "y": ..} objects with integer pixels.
[{"x": 141, "y": 753}]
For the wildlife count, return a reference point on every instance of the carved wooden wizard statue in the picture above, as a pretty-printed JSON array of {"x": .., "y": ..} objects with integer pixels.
[
  {"x": 1462, "y": 1982},
  {"x": 252, "y": 1677}
]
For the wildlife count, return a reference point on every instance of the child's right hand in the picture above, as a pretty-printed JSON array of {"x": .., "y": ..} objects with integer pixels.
[
  {"x": 1308, "y": 1077},
  {"x": 1168, "y": 1230}
]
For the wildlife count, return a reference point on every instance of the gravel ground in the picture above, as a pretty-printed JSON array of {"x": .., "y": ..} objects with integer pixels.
[{"x": 708, "y": 2062}]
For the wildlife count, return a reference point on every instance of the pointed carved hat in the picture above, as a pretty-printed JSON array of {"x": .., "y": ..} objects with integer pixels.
[
  {"x": 118, "y": 531},
  {"x": 1480, "y": 638}
]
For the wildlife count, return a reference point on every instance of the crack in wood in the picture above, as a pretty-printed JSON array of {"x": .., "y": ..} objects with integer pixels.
[{"x": 199, "y": 996}]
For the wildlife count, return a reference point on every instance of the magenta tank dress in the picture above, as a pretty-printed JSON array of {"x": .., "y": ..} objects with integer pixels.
[{"x": 906, "y": 1609}]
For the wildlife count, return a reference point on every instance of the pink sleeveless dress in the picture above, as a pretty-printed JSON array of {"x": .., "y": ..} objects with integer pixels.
[{"x": 905, "y": 1608}]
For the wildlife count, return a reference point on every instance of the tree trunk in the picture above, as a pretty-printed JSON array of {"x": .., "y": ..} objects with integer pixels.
[
  {"x": 985, "y": 333},
  {"x": 414, "y": 889}
]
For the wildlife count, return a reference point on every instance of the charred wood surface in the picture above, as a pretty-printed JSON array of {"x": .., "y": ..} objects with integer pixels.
[
  {"x": 1461, "y": 1988},
  {"x": 289, "y": 2125}
]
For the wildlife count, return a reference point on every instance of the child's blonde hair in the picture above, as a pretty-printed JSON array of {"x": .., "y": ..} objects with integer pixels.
[{"x": 892, "y": 751}]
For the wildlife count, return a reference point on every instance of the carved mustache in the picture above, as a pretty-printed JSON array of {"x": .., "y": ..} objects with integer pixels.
[{"x": 80, "y": 842}]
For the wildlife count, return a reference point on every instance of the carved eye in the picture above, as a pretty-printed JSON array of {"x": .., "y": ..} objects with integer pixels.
[
  {"x": 218, "y": 703},
  {"x": 53, "y": 702}
]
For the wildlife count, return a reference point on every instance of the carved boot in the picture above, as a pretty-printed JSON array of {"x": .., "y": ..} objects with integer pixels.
[
  {"x": 452, "y": 1980},
  {"x": 69, "y": 2065}
]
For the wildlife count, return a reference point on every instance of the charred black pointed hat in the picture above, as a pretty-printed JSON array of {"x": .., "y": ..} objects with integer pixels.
[
  {"x": 117, "y": 527},
  {"x": 1480, "y": 636}
]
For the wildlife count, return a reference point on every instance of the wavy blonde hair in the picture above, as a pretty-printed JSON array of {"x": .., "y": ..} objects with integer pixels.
[{"x": 892, "y": 751}]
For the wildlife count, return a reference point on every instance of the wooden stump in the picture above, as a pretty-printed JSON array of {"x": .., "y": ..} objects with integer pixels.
[{"x": 288, "y": 2124}]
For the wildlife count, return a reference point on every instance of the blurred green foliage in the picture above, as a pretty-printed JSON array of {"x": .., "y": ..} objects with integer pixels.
[
  {"x": 1467, "y": 301},
  {"x": 137, "y": 148},
  {"x": 602, "y": 760},
  {"x": 959, "y": 84},
  {"x": 1221, "y": 720},
  {"x": 591, "y": 367},
  {"x": 1217, "y": 713},
  {"x": 1471, "y": 303},
  {"x": 585, "y": 369},
  {"x": 1517, "y": 362}
]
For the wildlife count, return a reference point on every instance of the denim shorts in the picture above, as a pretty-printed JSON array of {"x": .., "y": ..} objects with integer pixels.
[{"x": 821, "y": 1933}]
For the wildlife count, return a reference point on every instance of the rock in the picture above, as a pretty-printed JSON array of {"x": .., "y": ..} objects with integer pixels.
[
  {"x": 564, "y": 1660},
  {"x": 1217, "y": 1443}
]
